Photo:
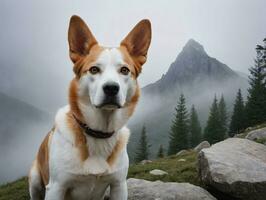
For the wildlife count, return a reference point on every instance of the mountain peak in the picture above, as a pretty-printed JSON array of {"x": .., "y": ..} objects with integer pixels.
[
  {"x": 193, "y": 44},
  {"x": 194, "y": 66}
]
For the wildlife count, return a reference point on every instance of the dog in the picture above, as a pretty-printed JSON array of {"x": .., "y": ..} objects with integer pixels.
[{"x": 85, "y": 152}]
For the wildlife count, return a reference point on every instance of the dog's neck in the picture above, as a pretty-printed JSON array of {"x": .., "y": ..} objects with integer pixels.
[{"x": 102, "y": 120}]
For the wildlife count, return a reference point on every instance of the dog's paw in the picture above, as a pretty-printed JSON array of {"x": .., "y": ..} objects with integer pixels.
[{"x": 96, "y": 166}]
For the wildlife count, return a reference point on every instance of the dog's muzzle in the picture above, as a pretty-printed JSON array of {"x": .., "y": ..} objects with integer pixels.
[{"x": 110, "y": 101}]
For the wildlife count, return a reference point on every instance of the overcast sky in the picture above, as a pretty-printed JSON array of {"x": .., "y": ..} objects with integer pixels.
[{"x": 35, "y": 32}]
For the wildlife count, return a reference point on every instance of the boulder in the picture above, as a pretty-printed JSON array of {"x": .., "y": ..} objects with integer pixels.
[
  {"x": 236, "y": 167},
  {"x": 158, "y": 172},
  {"x": 202, "y": 145},
  {"x": 256, "y": 135},
  {"x": 139, "y": 189},
  {"x": 182, "y": 152},
  {"x": 143, "y": 162}
]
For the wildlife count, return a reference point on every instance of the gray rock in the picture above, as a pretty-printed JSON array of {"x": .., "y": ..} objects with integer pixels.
[
  {"x": 158, "y": 172},
  {"x": 202, "y": 145},
  {"x": 146, "y": 190},
  {"x": 236, "y": 167},
  {"x": 182, "y": 152},
  {"x": 257, "y": 134},
  {"x": 143, "y": 162}
]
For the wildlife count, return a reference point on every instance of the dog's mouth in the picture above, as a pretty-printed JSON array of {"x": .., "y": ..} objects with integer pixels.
[{"x": 109, "y": 104}]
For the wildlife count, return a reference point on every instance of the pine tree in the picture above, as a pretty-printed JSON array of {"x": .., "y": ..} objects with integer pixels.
[
  {"x": 213, "y": 130},
  {"x": 160, "y": 153},
  {"x": 223, "y": 116},
  {"x": 143, "y": 147},
  {"x": 194, "y": 127},
  {"x": 179, "y": 129},
  {"x": 238, "y": 119},
  {"x": 256, "y": 101}
]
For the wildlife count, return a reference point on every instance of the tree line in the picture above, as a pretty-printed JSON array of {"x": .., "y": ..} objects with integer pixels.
[{"x": 186, "y": 131}]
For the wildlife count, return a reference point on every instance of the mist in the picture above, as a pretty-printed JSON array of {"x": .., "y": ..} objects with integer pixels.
[
  {"x": 35, "y": 66},
  {"x": 18, "y": 153}
]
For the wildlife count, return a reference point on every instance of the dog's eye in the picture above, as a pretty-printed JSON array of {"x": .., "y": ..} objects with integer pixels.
[
  {"x": 94, "y": 70},
  {"x": 124, "y": 70}
]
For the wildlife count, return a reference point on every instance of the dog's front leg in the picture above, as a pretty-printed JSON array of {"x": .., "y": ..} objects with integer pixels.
[
  {"x": 54, "y": 191},
  {"x": 118, "y": 191}
]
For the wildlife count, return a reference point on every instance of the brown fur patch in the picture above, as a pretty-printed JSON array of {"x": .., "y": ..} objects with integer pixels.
[
  {"x": 43, "y": 158},
  {"x": 87, "y": 61},
  {"x": 73, "y": 98},
  {"x": 131, "y": 64},
  {"x": 137, "y": 43},
  {"x": 120, "y": 145},
  {"x": 133, "y": 102},
  {"x": 80, "y": 38},
  {"x": 80, "y": 139}
]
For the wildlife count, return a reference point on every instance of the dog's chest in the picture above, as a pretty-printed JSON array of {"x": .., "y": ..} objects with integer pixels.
[
  {"x": 66, "y": 157},
  {"x": 88, "y": 187}
]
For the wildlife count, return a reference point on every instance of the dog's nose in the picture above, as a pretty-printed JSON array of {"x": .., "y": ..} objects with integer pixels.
[{"x": 111, "y": 89}]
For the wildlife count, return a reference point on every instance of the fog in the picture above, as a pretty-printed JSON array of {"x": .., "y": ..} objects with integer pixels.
[
  {"x": 34, "y": 50},
  {"x": 35, "y": 67},
  {"x": 17, "y": 155}
]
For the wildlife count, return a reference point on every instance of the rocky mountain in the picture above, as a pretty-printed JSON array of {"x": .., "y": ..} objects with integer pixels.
[
  {"x": 193, "y": 65},
  {"x": 21, "y": 125},
  {"x": 195, "y": 74}
]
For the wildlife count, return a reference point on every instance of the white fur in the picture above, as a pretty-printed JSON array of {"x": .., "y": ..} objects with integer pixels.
[
  {"x": 109, "y": 61},
  {"x": 68, "y": 171}
]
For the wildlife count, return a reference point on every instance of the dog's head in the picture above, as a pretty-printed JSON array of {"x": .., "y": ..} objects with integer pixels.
[{"x": 108, "y": 76}]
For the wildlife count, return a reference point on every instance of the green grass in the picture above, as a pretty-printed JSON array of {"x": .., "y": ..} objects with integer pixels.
[
  {"x": 17, "y": 190},
  {"x": 177, "y": 172},
  {"x": 261, "y": 140},
  {"x": 244, "y": 133}
]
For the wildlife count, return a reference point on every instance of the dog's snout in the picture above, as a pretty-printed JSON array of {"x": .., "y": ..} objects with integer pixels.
[{"x": 111, "y": 89}]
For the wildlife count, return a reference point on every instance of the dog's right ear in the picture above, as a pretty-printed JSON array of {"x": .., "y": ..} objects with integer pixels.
[{"x": 80, "y": 38}]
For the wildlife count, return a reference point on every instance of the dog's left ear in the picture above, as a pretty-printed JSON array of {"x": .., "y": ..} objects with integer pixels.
[
  {"x": 137, "y": 42},
  {"x": 80, "y": 38}
]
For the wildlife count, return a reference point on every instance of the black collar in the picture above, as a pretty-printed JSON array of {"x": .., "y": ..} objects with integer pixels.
[{"x": 91, "y": 132}]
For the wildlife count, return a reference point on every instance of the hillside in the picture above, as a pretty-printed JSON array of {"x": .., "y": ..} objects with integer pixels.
[
  {"x": 197, "y": 75},
  {"x": 21, "y": 125}
]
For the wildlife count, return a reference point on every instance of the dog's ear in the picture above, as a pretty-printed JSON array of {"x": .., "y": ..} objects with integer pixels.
[
  {"x": 80, "y": 38},
  {"x": 137, "y": 42}
]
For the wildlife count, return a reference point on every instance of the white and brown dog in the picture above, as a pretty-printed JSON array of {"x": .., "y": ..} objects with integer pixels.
[{"x": 86, "y": 152}]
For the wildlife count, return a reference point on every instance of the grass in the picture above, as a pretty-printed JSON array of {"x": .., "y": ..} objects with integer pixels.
[
  {"x": 261, "y": 140},
  {"x": 178, "y": 171},
  {"x": 244, "y": 133},
  {"x": 17, "y": 190}
]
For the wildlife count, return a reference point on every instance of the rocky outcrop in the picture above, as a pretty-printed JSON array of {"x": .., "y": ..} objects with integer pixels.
[
  {"x": 202, "y": 145},
  {"x": 236, "y": 167},
  {"x": 158, "y": 172},
  {"x": 143, "y": 162},
  {"x": 257, "y": 135},
  {"x": 141, "y": 189},
  {"x": 182, "y": 152}
]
